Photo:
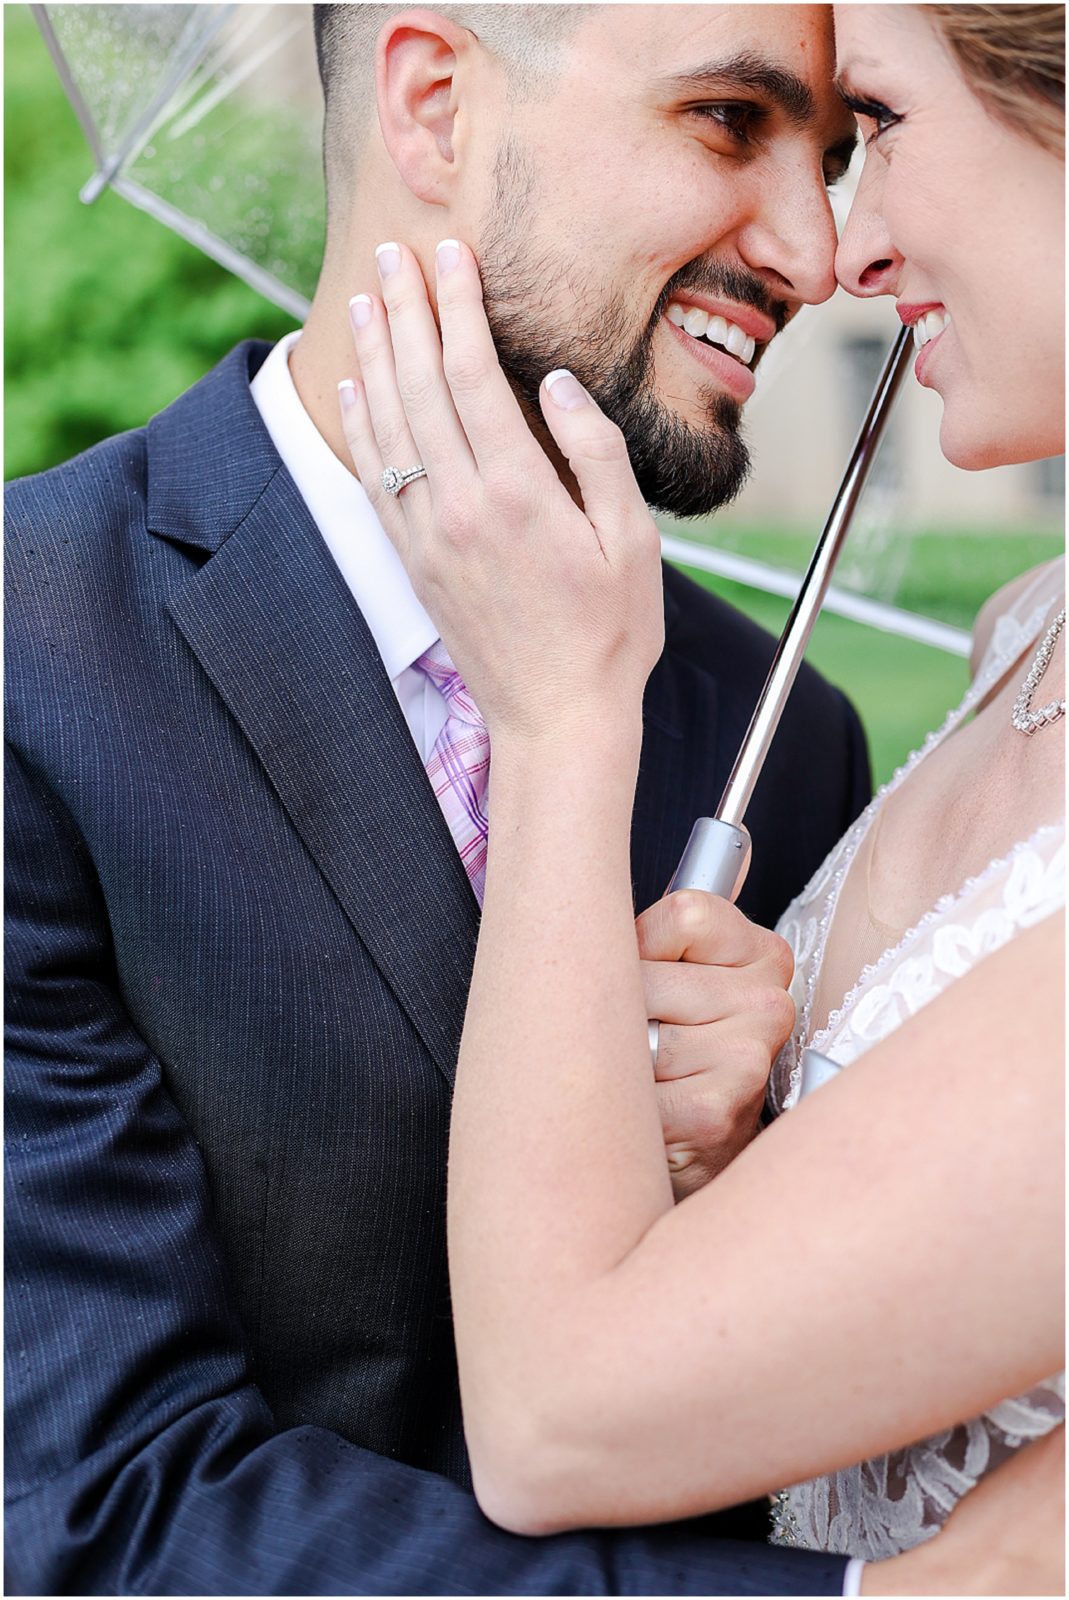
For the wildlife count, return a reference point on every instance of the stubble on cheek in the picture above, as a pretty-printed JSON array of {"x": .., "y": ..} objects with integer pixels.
[{"x": 548, "y": 308}]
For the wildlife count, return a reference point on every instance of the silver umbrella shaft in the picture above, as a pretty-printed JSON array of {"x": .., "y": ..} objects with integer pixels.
[{"x": 718, "y": 849}]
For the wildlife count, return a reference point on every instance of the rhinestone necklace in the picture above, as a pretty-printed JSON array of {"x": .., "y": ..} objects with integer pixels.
[{"x": 1024, "y": 719}]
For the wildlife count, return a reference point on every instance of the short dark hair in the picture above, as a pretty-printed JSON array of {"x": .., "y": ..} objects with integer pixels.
[{"x": 527, "y": 38}]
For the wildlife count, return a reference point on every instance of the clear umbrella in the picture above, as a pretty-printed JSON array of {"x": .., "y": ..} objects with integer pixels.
[{"x": 208, "y": 117}]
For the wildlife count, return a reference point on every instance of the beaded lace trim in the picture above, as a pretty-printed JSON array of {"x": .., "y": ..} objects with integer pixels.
[{"x": 945, "y": 903}]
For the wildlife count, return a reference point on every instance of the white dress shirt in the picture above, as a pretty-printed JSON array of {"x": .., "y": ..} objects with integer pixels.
[
  {"x": 852, "y": 1576},
  {"x": 371, "y": 567},
  {"x": 356, "y": 539}
]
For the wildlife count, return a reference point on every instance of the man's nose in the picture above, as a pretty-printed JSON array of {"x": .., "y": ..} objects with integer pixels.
[
  {"x": 866, "y": 262},
  {"x": 792, "y": 239}
]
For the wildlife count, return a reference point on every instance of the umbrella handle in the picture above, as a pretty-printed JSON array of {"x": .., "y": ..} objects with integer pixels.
[{"x": 716, "y": 858}]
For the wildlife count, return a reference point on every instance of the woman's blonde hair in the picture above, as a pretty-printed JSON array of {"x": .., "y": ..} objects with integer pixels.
[{"x": 1013, "y": 59}]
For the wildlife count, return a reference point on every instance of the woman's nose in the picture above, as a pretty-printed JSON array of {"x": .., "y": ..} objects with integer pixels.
[{"x": 866, "y": 262}]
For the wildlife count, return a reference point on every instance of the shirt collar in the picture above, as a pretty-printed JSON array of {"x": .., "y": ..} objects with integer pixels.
[{"x": 342, "y": 512}]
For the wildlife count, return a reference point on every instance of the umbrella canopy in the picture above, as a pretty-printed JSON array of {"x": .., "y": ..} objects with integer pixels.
[{"x": 209, "y": 117}]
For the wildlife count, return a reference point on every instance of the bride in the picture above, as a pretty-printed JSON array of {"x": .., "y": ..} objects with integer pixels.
[{"x": 867, "y": 1303}]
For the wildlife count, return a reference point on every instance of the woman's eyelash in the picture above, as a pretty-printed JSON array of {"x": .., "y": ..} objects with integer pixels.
[{"x": 873, "y": 110}]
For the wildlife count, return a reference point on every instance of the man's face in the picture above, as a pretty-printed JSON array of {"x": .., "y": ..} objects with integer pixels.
[{"x": 675, "y": 177}]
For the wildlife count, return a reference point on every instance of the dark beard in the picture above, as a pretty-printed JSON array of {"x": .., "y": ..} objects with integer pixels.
[{"x": 682, "y": 468}]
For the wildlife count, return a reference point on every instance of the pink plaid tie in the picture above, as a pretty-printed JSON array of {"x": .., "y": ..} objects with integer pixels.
[{"x": 459, "y": 765}]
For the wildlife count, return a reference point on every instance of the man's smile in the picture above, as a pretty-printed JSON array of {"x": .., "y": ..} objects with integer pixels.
[{"x": 722, "y": 347}]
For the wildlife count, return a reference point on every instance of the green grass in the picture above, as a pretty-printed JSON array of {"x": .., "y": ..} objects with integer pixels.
[
  {"x": 945, "y": 573},
  {"x": 901, "y": 689}
]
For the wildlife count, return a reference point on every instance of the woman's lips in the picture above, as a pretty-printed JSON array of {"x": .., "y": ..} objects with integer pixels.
[
  {"x": 910, "y": 313},
  {"x": 729, "y": 373}
]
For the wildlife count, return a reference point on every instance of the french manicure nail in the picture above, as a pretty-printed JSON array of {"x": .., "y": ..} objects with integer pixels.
[
  {"x": 360, "y": 310},
  {"x": 448, "y": 254},
  {"x": 388, "y": 257},
  {"x": 565, "y": 390},
  {"x": 347, "y": 393}
]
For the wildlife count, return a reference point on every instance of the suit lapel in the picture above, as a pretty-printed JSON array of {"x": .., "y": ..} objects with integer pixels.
[{"x": 273, "y": 624}]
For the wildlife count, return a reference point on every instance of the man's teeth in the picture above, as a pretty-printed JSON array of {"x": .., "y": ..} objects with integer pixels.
[
  {"x": 929, "y": 327},
  {"x": 714, "y": 330}
]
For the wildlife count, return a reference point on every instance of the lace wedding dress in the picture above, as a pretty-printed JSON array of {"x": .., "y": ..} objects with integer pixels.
[{"x": 879, "y": 1508}]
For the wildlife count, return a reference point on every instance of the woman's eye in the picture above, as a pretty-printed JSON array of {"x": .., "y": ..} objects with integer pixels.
[
  {"x": 874, "y": 111},
  {"x": 736, "y": 118}
]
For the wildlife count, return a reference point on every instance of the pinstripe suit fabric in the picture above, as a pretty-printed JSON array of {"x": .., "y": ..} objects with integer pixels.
[{"x": 238, "y": 949}]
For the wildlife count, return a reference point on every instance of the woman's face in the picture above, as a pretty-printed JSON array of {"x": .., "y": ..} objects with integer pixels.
[{"x": 962, "y": 220}]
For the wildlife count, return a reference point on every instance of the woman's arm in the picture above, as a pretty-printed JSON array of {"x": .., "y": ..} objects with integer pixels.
[{"x": 881, "y": 1263}]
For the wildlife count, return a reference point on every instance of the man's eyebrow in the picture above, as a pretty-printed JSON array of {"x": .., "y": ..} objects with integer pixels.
[{"x": 747, "y": 71}]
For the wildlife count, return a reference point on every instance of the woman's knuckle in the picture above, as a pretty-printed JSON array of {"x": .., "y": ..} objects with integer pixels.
[
  {"x": 777, "y": 1010},
  {"x": 393, "y": 440},
  {"x": 604, "y": 445},
  {"x": 786, "y": 1017},
  {"x": 717, "y": 1117},
  {"x": 372, "y": 355},
  {"x": 465, "y": 370},
  {"x": 781, "y": 957},
  {"x": 766, "y": 999},
  {"x": 752, "y": 1065},
  {"x": 403, "y": 301},
  {"x": 454, "y": 523},
  {"x": 509, "y": 492},
  {"x": 417, "y": 390},
  {"x": 691, "y": 912},
  {"x": 701, "y": 1117}
]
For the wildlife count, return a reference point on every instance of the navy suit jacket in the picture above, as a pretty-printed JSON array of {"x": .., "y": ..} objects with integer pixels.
[{"x": 240, "y": 941}]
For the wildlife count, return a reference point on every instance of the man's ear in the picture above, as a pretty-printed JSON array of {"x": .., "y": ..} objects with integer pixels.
[{"x": 416, "y": 62}]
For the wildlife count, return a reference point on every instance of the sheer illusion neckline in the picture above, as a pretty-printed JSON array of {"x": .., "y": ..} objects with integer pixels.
[{"x": 999, "y": 662}]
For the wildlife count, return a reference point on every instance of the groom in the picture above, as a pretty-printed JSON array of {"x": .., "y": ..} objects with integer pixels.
[{"x": 240, "y": 931}]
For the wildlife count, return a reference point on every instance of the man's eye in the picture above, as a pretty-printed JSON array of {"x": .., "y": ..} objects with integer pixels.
[
  {"x": 737, "y": 118},
  {"x": 837, "y": 161},
  {"x": 874, "y": 111}
]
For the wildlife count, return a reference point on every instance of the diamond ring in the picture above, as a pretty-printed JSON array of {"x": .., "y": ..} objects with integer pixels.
[{"x": 393, "y": 481}]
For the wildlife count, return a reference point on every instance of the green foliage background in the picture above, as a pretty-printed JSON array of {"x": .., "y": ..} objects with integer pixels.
[{"x": 109, "y": 316}]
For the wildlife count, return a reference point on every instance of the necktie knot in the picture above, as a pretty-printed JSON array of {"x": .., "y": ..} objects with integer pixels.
[{"x": 436, "y": 663}]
